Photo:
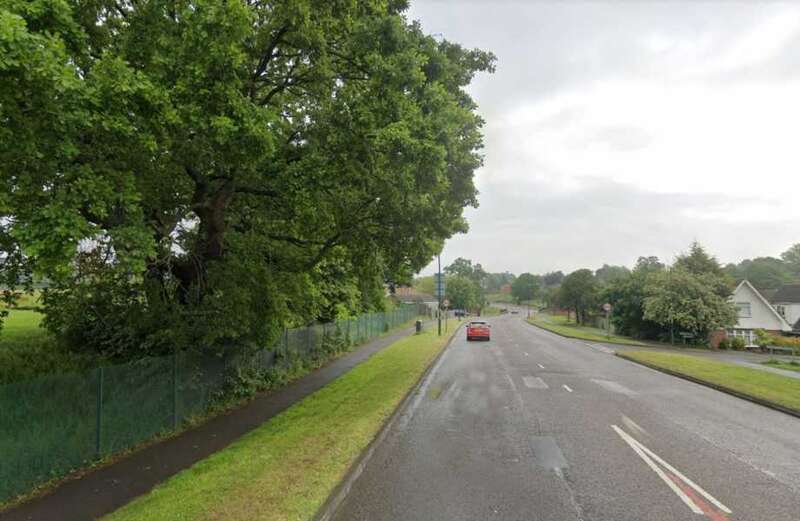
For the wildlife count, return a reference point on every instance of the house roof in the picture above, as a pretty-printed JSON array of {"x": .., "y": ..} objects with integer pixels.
[
  {"x": 768, "y": 293},
  {"x": 789, "y": 293}
]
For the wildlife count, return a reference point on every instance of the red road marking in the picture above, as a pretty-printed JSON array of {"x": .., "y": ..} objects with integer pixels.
[{"x": 709, "y": 510}]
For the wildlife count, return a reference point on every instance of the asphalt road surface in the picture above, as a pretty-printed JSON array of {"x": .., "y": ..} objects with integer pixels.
[{"x": 533, "y": 426}]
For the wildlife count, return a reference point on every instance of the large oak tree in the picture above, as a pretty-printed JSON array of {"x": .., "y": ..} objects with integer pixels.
[{"x": 202, "y": 172}]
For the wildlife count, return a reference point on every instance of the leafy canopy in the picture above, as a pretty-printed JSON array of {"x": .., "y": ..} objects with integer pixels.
[{"x": 202, "y": 172}]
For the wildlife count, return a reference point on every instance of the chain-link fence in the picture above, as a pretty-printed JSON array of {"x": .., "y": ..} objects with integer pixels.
[{"x": 53, "y": 425}]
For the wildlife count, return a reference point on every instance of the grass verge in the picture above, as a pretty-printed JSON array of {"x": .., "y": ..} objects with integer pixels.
[
  {"x": 789, "y": 366},
  {"x": 761, "y": 386},
  {"x": 286, "y": 468},
  {"x": 560, "y": 326}
]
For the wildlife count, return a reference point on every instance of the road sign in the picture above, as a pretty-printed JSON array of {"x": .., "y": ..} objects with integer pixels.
[
  {"x": 606, "y": 307},
  {"x": 440, "y": 287},
  {"x": 446, "y": 303}
]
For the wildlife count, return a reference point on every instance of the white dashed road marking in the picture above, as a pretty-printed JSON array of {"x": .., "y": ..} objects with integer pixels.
[
  {"x": 614, "y": 387},
  {"x": 540, "y": 366},
  {"x": 534, "y": 382},
  {"x": 567, "y": 388}
]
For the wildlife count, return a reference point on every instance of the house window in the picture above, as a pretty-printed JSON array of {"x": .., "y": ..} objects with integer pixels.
[
  {"x": 781, "y": 311},
  {"x": 744, "y": 309},
  {"x": 748, "y": 335}
]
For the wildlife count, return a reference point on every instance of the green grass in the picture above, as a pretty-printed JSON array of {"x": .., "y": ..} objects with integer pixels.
[
  {"x": 500, "y": 297},
  {"x": 774, "y": 388},
  {"x": 490, "y": 311},
  {"x": 28, "y": 351},
  {"x": 286, "y": 468},
  {"x": 789, "y": 366},
  {"x": 559, "y": 324}
]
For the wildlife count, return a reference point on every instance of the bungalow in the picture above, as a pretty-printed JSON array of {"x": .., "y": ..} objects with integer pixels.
[
  {"x": 786, "y": 302},
  {"x": 755, "y": 312}
]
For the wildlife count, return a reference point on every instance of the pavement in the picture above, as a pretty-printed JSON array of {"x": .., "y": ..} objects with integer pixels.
[
  {"x": 535, "y": 426},
  {"x": 110, "y": 487}
]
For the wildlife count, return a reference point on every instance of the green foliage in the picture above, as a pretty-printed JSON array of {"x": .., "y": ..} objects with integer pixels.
[
  {"x": 724, "y": 344},
  {"x": 552, "y": 279},
  {"x": 699, "y": 262},
  {"x": 762, "y": 272},
  {"x": 738, "y": 344},
  {"x": 792, "y": 259},
  {"x": 608, "y": 274},
  {"x": 578, "y": 292},
  {"x": 27, "y": 351},
  {"x": 463, "y": 293},
  {"x": 203, "y": 173},
  {"x": 763, "y": 338},
  {"x": 688, "y": 301},
  {"x": 525, "y": 287},
  {"x": 626, "y": 294},
  {"x": 425, "y": 285}
]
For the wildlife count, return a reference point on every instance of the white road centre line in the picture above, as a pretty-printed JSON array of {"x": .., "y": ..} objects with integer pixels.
[
  {"x": 632, "y": 425},
  {"x": 567, "y": 388},
  {"x": 650, "y": 454},
  {"x": 660, "y": 473},
  {"x": 685, "y": 479},
  {"x": 540, "y": 366},
  {"x": 526, "y": 354}
]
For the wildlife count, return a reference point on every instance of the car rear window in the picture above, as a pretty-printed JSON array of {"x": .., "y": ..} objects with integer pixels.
[{"x": 477, "y": 323}]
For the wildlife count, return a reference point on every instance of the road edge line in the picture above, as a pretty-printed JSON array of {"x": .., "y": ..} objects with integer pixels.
[
  {"x": 738, "y": 394},
  {"x": 342, "y": 489}
]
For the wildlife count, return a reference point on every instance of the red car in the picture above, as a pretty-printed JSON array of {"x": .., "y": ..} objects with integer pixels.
[{"x": 478, "y": 330}]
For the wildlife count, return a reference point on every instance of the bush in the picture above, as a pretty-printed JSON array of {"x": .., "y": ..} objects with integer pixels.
[
  {"x": 724, "y": 344},
  {"x": 738, "y": 344}
]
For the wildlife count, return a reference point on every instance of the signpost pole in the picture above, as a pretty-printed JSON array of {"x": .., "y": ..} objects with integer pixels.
[
  {"x": 439, "y": 293},
  {"x": 607, "y": 309}
]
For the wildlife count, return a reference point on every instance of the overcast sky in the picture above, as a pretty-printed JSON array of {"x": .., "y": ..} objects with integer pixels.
[{"x": 621, "y": 129}]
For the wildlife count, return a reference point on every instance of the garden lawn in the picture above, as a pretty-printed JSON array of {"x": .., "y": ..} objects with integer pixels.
[
  {"x": 286, "y": 468},
  {"x": 774, "y": 388},
  {"x": 559, "y": 325}
]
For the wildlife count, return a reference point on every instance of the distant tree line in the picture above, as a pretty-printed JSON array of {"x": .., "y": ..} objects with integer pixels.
[{"x": 651, "y": 301}]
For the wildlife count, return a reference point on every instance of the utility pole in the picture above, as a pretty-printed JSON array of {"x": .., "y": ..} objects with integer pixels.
[{"x": 439, "y": 288}]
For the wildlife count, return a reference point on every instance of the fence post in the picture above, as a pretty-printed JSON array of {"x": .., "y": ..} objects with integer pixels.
[
  {"x": 175, "y": 390},
  {"x": 99, "y": 432}
]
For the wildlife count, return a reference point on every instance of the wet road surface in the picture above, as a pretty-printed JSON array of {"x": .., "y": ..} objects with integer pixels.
[{"x": 534, "y": 426}]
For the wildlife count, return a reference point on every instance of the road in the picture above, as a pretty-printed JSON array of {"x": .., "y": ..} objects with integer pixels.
[{"x": 534, "y": 426}]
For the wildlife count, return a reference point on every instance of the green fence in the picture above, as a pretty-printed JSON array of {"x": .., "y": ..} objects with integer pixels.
[{"x": 53, "y": 425}]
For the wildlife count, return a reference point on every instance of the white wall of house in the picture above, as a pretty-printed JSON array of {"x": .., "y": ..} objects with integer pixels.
[
  {"x": 790, "y": 311},
  {"x": 755, "y": 312}
]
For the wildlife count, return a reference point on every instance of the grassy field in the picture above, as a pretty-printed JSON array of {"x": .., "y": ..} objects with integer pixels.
[
  {"x": 559, "y": 324},
  {"x": 777, "y": 389},
  {"x": 28, "y": 351},
  {"x": 500, "y": 297},
  {"x": 789, "y": 366},
  {"x": 285, "y": 469}
]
